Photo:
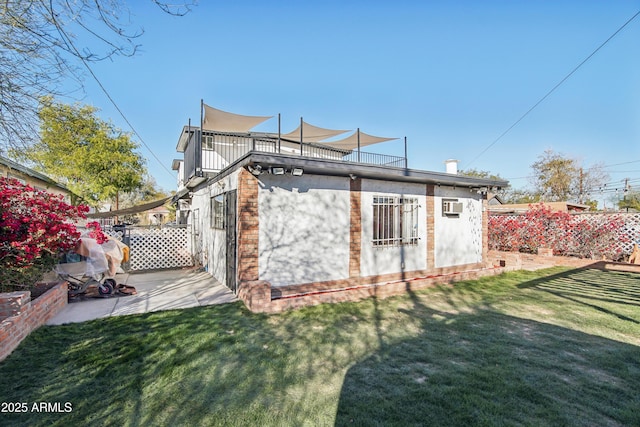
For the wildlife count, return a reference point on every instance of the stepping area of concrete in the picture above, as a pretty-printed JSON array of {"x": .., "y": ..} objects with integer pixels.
[{"x": 161, "y": 290}]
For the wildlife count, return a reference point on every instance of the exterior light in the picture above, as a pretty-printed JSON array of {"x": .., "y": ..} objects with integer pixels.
[
  {"x": 297, "y": 171},
  {"x": 277, "y": 171},
  {"x": 255, "y": 170}
]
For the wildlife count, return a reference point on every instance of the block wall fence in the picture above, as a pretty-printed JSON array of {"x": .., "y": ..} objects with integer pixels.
[{"x": 19, "y": 315}]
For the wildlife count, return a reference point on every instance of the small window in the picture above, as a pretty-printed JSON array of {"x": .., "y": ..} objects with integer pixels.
[
  {"x": 451, "y": 207},
  {"x": 217, "y": 212},
  {"x": 395, "y": 221},
  {"x": 207, "y": 142}
]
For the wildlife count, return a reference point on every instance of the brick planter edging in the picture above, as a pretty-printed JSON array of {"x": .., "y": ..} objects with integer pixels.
[
  {"x": 19, "y": 316},
  {"x": 518, "y": 260},
  {"x": 257, "y": 294}
]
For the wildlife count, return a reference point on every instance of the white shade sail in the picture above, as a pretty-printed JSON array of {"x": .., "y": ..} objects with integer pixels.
[
  {"x": 311, "y": 133},
  {"x": 222, "y": 121},
  {"x": 351, "y": 142}
]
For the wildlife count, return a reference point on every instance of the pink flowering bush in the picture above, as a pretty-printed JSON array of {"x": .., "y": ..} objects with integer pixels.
[
  {"x": 35, "y": 229},
  {"x": 565, "y": 234},
  {"x": 95, "y": 232}
]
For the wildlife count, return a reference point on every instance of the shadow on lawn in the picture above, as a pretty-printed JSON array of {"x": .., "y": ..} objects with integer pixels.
[
  {"x": 487, "y": 368},
  {"x": 219, "y": 365},
  {"x": 222, "y": 365},
  {"x": 595, "y": 288}
]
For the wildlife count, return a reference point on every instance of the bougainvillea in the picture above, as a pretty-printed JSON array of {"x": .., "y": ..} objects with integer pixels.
[
  {"x": 564, "y": 233},
  {"x": 35, "y": 228},
  {"x": 95, "y": 232}
]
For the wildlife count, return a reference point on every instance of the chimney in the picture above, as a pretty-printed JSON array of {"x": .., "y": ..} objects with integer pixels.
[{"x": 451, "y": 166}]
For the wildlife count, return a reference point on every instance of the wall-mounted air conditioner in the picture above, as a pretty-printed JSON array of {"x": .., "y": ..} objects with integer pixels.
[{"x": 451, "y": 207}]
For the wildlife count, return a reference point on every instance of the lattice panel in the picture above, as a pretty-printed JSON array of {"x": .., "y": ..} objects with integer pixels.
[
  {"x": 627, "y": 235},
  {"x": 158, "y": 248}
]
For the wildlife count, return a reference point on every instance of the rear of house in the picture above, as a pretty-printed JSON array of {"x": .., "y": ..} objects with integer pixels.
[{"x": 283, "y": 228}]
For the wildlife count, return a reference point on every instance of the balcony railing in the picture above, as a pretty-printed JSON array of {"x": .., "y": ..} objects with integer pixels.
[{"x": 216, "y": 151}]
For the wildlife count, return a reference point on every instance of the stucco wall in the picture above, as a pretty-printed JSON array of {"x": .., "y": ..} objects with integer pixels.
[
  {"x": 458, "y": 240},
  {"x": 391, "y": 259},
  {"x": 304, "y": 229},
  {"x": 214, "y": 245}
]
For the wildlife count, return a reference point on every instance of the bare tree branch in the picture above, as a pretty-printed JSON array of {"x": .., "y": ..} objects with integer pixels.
[{"x": 39, "y": 51}]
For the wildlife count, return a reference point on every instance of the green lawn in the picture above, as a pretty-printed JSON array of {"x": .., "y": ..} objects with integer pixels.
[{"x": 557, "y": 347}]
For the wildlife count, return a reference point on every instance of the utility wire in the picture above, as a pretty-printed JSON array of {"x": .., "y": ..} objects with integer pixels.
[
  {"x": 70, "y": 44},
  {"x": 551, "y": 91}
]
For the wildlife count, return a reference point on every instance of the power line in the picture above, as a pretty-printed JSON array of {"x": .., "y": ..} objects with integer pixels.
[
  {"x": 551, "y": 91},
  {"x": 71, "y": 46},
  {"x": 590, "y": 168}
]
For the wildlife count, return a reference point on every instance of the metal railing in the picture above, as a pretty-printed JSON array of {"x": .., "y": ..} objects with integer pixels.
[{"x": 218, "y": 150}]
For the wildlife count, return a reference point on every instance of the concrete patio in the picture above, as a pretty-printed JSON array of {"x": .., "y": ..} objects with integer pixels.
[{"x": 156, "y": 291}]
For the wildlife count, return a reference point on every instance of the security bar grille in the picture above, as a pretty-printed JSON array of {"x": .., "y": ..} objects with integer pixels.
[{"x": 395, "y": 221}]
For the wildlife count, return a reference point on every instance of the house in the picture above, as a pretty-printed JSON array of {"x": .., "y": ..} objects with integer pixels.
[
  {"x": 283, "y": 217},
  {"x": 25, "y": 175},
  {"x": 496, "y": 206}
]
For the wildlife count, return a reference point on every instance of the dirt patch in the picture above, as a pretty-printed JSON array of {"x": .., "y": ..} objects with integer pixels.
[{"x": 40, "y": 288}]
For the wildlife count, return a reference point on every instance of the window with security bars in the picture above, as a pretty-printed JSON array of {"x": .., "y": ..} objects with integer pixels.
[
  {"x": 395, "y": 221},
  {"x": 217, "y": 212}
]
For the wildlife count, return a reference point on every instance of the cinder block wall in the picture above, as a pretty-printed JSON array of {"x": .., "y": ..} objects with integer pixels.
[{"x": 19, "y": 316}]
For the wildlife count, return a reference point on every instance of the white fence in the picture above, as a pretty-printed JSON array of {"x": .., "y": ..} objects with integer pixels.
[{"x": 157, "y": 248}]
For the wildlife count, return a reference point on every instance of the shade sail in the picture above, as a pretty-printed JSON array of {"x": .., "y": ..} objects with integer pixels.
[
  {"x": 351, "y": 142},
  {"x": 311, "y": 133},
  {"x": 222, "y": 121},
  {"x": 130, "y": 211}
]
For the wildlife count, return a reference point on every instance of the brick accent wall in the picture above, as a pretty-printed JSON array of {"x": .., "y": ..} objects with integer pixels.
[
  {"x": 485, "y": 230},
  {"x": 355, "y": 230},
  {"x": 19, "y": 316},
  {"x": 260, "y": 303},
  {"x": 259, "y": 296},
  {"x": 248, "y": 224},
  {"x": 431, "y": 226}
]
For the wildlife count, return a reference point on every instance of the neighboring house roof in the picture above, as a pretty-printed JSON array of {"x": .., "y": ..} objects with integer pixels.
[
  {"x": 32, "y": 173},
  {"x": 554, "y": 206},
  {"x": 495, "y": 200}
]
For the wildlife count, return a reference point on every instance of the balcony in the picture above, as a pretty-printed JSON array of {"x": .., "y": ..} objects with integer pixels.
[{"x": 214, "y": 151}]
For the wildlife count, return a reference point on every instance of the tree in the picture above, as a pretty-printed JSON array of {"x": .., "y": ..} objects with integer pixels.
[
  {"x": 559, "y": 178},
  {"x": 93, "y": 158},
  {"x": 39, "y": 50},
  {"x": 630, "y": 201},
  {"x": 148, "y": 191},
  {"x": 475, "y": 173},
  {"x": 507, "y": 194}
]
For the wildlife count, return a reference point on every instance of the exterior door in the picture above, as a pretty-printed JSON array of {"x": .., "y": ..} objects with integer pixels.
[
  {"x": 196, "y": 235},
  {"x": 231, "y": 215}
]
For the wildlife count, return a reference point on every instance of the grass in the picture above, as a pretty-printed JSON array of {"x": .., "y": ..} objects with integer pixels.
[{"x": 556, "y": 347}]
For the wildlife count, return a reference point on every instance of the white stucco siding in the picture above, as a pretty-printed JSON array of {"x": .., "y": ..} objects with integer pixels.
[
  {"x": 458, "y": 239},
  {"x": 303, "y": 229},
  {"x": 214, "y": 244},
  {"x": 375, "y": 260}
]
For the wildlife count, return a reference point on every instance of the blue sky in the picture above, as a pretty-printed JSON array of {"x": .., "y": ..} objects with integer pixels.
[{"x": 450, "y": 76}]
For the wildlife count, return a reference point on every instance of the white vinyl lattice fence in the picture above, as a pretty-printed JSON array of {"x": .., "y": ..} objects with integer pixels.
[
  {"x": 617, "y": 231},
  {"x": 157, "y": 248}
]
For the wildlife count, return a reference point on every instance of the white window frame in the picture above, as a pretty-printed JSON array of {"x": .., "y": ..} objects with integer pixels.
[
  {"x": 208, "y": 143},
  {"x": 217, "y": 212},
  {"x": 395, "y": 221}
]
